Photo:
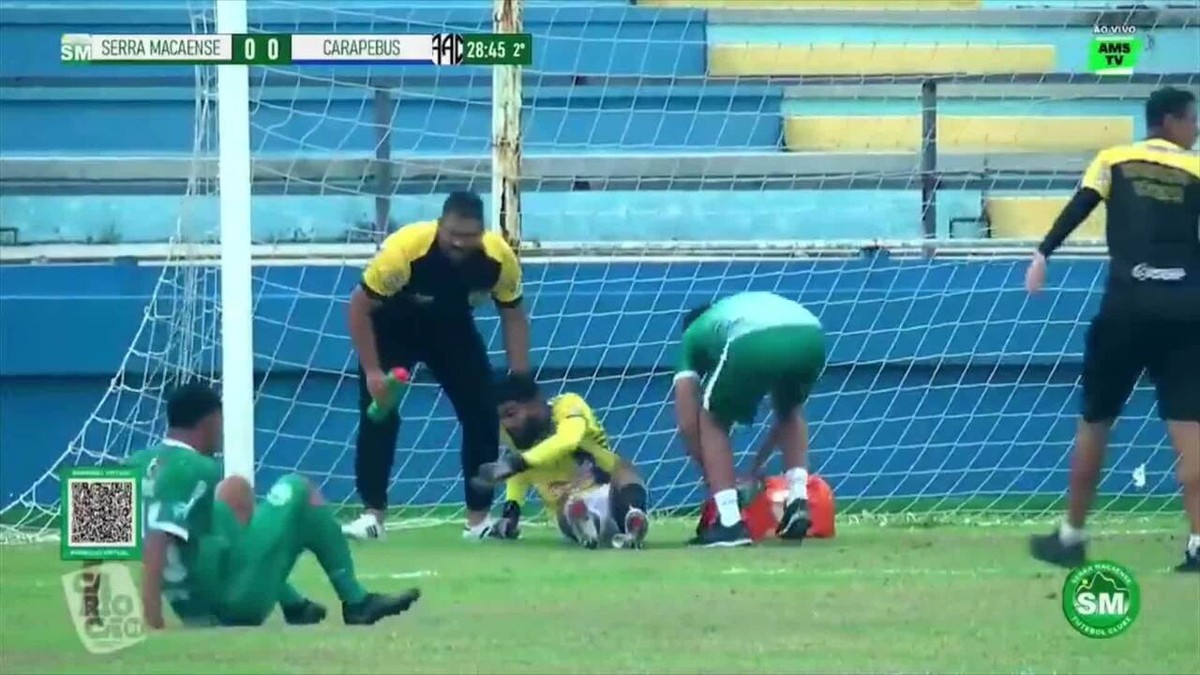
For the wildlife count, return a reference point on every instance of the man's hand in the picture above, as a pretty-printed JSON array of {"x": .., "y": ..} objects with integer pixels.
[
  {"x": 493, "y": 473},
  {"x": 1035, "y": 274},
  {"x": 155, "y": 622},
  {"x": 508, "y": 525},
  {"x": 377, "y": 384}
]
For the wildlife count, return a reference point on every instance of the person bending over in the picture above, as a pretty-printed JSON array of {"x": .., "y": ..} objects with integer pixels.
[
  {"x": 735, "y": 352},
  {"x": 415, "y": 304}
]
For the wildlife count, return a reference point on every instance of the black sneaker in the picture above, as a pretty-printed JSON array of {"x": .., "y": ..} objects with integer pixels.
[
  {"x": 720, "y": 536},
  {"x": 794, "y": 524},
  {"x": 1050, "y": 548},
  {"x": 1191, "y": 562},
  {"x": 305, "y": 613},
  {"x": 377, "y": 606}
]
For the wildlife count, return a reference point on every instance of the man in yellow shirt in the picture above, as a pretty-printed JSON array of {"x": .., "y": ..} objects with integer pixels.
[
  {"x": 415, "y": 304},
  {"x": 561, "y": 450}
]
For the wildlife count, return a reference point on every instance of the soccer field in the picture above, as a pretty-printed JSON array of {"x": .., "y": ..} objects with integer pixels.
[{"x": 875, "y": 599}]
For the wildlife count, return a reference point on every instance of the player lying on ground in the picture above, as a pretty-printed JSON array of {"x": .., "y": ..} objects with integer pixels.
[
  {"x": 220, "y": 559},
  {"x": 736, "y": 351},
  {"x": 561, "y": 450},
  {"x": 1149, "y": 317}
]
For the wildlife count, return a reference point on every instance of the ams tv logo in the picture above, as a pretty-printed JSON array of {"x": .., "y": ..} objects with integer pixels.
[{"x": 1114, "y": 50}]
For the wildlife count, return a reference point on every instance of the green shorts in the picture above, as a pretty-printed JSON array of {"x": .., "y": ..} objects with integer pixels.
[
  {"x": 783, "y": 361},
  {"x": 263, "y": 553}
]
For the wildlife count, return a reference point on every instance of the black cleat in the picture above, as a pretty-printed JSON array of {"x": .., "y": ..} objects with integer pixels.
[
  {"x": 720, "y": 536},
  {"x": 794, "y": 524},
  {"x": 305, "y": 613},
  {"x": 1191, "y": 562},
  {"x": 1050, "y": 548},
  {"x": 377, "y": 606}
]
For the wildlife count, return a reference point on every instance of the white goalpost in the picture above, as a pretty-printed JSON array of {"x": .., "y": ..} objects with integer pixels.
[
  {"x": 234, "y": 185},
  {"x": 948, "y": 392}
]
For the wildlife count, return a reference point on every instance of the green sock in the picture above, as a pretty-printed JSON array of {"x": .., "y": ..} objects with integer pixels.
[
  {"x": 290, "y": 597},
  {"x": 325, "y": 539}
]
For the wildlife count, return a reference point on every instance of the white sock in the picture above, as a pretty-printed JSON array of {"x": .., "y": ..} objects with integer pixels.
[
  {"x": 797, "y": 484},
  {"x": 727, "y": 507},
  {"x": 1193, "y": 545},
  {"x": 1070, "y": 535},
  {"x": 479, "y": 527}
]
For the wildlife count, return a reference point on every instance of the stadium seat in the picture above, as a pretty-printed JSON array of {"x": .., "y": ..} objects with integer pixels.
[
  {"x": 902, "y": 133},
  {"x": 727, "y": 60},
  {"x": 1028, "y": 218},
  {"x": 847, "y": 5}
]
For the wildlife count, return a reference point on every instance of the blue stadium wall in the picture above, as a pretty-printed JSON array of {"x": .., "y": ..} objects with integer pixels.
[{"x": 944, "y": 377}]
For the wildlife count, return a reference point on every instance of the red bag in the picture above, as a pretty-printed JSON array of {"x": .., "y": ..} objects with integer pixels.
[{"x": 762, "y": 513}]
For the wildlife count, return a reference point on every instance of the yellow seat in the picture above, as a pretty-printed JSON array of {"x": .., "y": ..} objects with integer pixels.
[
  {"x": 848, "y": 5},
  {"x": 1030, "y": 218},
  {"x": 956, "y": 133},
  {"x": 725, "y": 60}
]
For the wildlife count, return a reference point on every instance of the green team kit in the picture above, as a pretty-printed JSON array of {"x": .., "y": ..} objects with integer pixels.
[
  {"x": 751, "y": 345},
  {"x": 219, "y": 571}
]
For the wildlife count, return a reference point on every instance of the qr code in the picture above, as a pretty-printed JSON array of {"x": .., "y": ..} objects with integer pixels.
[{"x": 101, "y": 512}]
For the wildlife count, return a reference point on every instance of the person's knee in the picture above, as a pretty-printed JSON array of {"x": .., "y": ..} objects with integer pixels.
[
  {"x": 303, "y": 487},
  {"x": 631, "y": 495},
  {"x": 236, "y": 492},
  {"x": 480, "y": 437}
]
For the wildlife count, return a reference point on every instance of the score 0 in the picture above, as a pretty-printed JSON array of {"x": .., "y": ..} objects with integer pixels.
[{"x": 262, "y": 49}]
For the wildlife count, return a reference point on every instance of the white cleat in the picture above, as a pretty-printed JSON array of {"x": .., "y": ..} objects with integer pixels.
[
  {"x": 583, "y": 525},
  {"x": 479, "y": 532},
  {"x": 366, "y": 526},
  {"x": 636, "y": 526}
]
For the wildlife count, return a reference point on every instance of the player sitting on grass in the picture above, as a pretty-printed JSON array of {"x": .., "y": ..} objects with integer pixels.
[
  {"x": 561, "y": 450},
  {"x": 743, "y": 348},
  {"x": 220, "y": 559}
]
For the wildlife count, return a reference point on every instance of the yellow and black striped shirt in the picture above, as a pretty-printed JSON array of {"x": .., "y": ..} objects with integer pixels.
[
  {"x": 411, "y": 268},
  {"x": 1152, "y": 193}
]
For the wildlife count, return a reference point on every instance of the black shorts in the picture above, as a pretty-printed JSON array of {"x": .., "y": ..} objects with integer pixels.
[{"x": 1118, "y": 349}]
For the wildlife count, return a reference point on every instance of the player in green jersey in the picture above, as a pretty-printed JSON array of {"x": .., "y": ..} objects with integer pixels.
[
  {"x": 221, "y": 559},
  {"x": 735, "y": 352},
  {"x": 218, "y": 558},
  {"x": 296, "y": 609}
]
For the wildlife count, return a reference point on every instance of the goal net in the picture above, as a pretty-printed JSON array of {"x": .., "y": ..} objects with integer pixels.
[{"x": 671, "y": 158}]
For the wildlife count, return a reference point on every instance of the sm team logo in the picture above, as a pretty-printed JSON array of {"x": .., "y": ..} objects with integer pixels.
[{"x": 1101, "y": 599}]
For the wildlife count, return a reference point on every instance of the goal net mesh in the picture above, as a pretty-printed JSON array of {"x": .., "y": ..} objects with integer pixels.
[{"x": 650, "y": 186}]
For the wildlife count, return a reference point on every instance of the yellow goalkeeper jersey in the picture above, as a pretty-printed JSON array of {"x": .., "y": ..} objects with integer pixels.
[{"x": 574, "y": 457}]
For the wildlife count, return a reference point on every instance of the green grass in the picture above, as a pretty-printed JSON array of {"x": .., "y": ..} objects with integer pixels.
[{"x": 875, "y": 599}]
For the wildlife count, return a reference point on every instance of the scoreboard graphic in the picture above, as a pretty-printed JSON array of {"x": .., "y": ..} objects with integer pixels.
[{"x": 260, "y": 49}]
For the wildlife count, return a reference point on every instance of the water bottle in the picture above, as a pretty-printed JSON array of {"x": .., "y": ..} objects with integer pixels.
[
  {"x": 747, "y": 491},
  {"x": 396, "y": 379}
]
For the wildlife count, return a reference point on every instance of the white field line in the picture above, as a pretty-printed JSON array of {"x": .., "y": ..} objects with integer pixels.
[
  {"x": 810, "y": 573},
  {"x": 415, "y": 574}
]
